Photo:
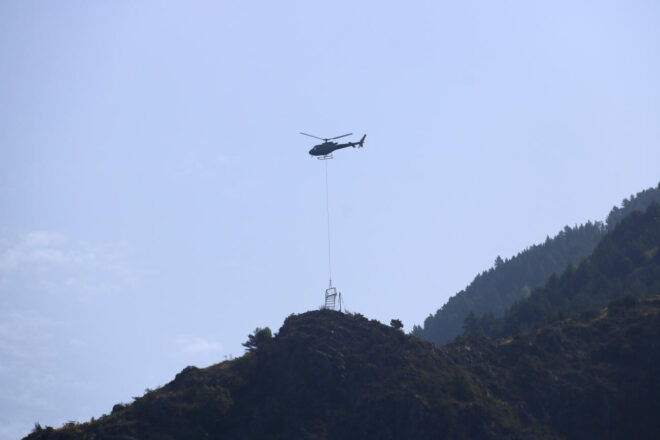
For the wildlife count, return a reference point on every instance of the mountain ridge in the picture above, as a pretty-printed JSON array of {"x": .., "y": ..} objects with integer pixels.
[
  {"x": 511, "y": 280},
  {"x": 625, "y": 262}
]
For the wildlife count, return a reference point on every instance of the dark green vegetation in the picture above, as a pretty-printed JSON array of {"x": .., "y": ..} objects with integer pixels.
[
  {"x": 328, "y": 375},
  {"x": 511, "y": 280},
  {"x": 626, "y": 262}
]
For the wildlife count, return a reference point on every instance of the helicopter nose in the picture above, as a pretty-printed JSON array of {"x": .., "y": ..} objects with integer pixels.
[{"x": 311, "y": 151}]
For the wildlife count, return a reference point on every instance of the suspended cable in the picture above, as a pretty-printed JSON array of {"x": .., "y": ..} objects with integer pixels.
[{"x": 327, "y": 210}]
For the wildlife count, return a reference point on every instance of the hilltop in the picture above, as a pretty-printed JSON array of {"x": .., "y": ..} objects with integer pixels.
[{"x": 328, "y": 375}]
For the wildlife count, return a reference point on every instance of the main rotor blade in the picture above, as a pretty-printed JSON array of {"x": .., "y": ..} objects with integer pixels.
[
  {"x": 311, "y": 135},
  {"x": 343, "y": 135}
]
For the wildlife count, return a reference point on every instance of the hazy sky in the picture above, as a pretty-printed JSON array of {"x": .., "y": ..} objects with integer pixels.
[{"x": 157, "y": 202}]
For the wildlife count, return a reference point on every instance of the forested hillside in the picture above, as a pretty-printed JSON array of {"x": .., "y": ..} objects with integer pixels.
[
  {"x": 328, "y": 375},
  {"x": 625, "y": 262},
  {"x": 511, "y": 280}
]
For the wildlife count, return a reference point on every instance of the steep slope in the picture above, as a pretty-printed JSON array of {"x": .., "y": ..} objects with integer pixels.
[
  {"x": 328, "y": 375},
  {"x": 625, "y": 262},
  {"x": 508, "y": 281},
  {"x": 496, "y": 289}
]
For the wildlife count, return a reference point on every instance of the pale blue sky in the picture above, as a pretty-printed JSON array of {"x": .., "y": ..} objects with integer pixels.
[{"x": 157, "y": 202}]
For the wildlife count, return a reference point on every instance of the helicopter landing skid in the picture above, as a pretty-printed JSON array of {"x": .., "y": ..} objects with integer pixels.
[{"x": 326, "y": 157}]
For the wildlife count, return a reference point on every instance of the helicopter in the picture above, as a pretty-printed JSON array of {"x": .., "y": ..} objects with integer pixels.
[{"x": 324, "y": 151}]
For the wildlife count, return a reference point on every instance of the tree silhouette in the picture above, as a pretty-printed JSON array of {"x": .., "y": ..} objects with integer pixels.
[{"x": 256, "y": 339}]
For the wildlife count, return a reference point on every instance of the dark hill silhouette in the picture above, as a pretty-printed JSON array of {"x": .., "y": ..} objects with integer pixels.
[
  {"x": 508, "y": 281},
  {"x": 328, "y": 375}
]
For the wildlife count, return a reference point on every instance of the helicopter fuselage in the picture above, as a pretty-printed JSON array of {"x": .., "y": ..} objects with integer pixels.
[{"x": 327, "y": 148}]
